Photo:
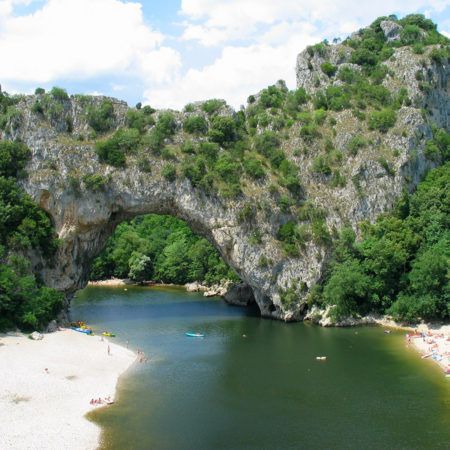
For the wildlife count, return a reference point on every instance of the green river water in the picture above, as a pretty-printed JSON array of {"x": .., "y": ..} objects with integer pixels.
[{"x": 263, "y": 391}]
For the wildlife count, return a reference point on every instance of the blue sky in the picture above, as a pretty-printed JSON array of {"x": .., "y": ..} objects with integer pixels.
[{"x": 169, "y": 53}]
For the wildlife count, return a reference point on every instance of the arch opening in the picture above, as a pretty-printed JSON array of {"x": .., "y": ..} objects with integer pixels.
[{"x": 153, "y": 249}]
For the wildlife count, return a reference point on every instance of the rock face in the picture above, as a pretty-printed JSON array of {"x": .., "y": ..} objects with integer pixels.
[
  {"x": 36, "y": 336},
  {"x": 52, "y": 327},
  {"x": 240, "y": 294},
  {"x": 391, "y": 30},
  {"x": 85, "y": 218}
]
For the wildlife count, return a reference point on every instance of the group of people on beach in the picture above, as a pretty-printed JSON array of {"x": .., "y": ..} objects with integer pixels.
[
  {"x": 99, "y": 401},
  {"x": 141, "y": 356},
  {"x": 434, "y": 345}
]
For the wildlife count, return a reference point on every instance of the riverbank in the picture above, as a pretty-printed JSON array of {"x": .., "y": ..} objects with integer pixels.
[
  {"x": 208, "y": 291},
  {"x": 433, "y": 344},
  {"x": 47, "y": 386},
  {"x": 112, "y": 282}
]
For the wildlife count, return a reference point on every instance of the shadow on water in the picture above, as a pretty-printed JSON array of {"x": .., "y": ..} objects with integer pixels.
[{"x": 265, "y": 390}]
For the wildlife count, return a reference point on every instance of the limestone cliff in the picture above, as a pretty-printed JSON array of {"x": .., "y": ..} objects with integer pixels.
[{"x": 244, "y": 228}]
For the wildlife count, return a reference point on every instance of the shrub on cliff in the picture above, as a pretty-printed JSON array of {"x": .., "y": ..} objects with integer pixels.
[
  {"x": 169, "y": 172},
  {"x": 272, "y": 97},
  {"x": 59, "y": 94},
  {"x": 382, "y": 120},
  {"x": 166, "y": 125},
  {"x": 139, "y": 119},
  {"x": 113, "y": 151},
  {"x": 213, "y": 105},
  {"x": 266, "y": 143},
  {"x": 195, "y": 125},
  {"x": 328, "y": 68},
  {"x": 95, "y": 182},
  {"x": 223, "y": 130},
  {"x": 101, "y": 118},
  {"x": 110, "y": 153},
  {"x": 13, "y": 158},
  {"x": 253, "y": 167}
]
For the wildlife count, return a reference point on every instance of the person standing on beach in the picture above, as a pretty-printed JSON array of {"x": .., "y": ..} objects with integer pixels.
[{"x": 109, "y": 351}]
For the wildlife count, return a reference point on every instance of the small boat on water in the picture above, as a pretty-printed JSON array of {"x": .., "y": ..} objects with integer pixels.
[
  {"x": 191, "y": 334},
  {"x": 321, "y": 358},
  {"x": 82, "y": 330},
  {"x": 108, "y": 334}
]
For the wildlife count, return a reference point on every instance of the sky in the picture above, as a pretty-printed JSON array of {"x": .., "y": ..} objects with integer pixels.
[{"x": 172, "y": 52}]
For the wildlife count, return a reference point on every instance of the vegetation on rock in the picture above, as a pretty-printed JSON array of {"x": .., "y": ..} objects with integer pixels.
[
  {"x": 24, "y": 227},
  {"x": 402, "y": 264}
]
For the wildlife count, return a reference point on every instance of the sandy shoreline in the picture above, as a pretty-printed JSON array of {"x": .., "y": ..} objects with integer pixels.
[
  {"x": 120, "y": 282},
  {"x": 111, "y": 282},
  {"x": 433, "y": 344},
  {"x": 45, "y": 410}
]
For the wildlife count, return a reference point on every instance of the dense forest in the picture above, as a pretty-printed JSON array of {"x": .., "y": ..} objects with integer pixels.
[
  {"x": 24, "y": 227},
  {"x": 160, "y": 248},
  {"x": 402, "y": 264}
]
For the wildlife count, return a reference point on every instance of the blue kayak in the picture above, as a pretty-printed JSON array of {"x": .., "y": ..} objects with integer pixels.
[
  {"x": 82, "y": 330},
  {"x": 194, "y": 334}
]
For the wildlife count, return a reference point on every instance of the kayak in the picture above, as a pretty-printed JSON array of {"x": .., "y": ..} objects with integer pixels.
[
  {"x": 194, "y": 334},
  {"x": 108, "y": 334},
  {"x": 82, "y": 330}
]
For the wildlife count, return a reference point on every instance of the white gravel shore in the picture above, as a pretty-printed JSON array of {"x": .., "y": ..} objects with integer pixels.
[
  {"x": 45, "y": 409},
  {"x": 433, "y": 343}
]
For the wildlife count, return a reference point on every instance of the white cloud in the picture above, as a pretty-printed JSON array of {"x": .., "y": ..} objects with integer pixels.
[
  {"x": 260, "y": 40},
  {"x": 231, "y": 19},
  {"x": 257, "y": 42},
  {"x": 6, "y": 6},
  {"x": 81, "y": 39},
  {"x": 237, "y": 73}
]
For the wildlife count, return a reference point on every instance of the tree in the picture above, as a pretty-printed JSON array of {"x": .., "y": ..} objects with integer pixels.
[
  {"x": 195, "y": 125},
  {"x": 382, "y": 120},
  {"x": 223, "y": 130},
  {"x": 347, "y": 289},
  {"x": 101, "y": 118},
  {"x": 141, "y": 267}
]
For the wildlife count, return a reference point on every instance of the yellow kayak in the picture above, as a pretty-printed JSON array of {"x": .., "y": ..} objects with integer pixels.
[{"x": 108, "y": 334}]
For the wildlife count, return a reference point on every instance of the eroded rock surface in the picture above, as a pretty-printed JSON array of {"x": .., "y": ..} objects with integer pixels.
[
  {"x": 240, "y": 294},
  {"x": 85, "y": 218}
]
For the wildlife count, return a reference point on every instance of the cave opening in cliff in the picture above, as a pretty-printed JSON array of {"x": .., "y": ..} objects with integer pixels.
[{"x": 155, "y": 249}]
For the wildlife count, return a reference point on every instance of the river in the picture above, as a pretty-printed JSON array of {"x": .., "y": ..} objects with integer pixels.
[{"x": 253, "y": 383}]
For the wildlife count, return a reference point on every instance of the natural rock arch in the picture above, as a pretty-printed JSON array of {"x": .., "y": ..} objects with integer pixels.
[
  {"x": 85, "y": 216},
  {"x": 85, "y": 222}
]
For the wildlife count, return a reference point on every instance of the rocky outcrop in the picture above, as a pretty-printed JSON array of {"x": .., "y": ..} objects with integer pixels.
[
  {"x": 217, "y": 290},
  {"x": 240, "y": 294},
  {"x": 195, "y": 287},
  {"x": 36, "y": 336},
  {"x": 391, "y": 30},
  {"x": 52, "y": 327},
  {"x": 84, "y": 217}
]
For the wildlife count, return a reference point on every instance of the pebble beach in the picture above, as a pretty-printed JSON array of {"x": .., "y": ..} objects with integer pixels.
[{"x": 47, "y": 386}]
